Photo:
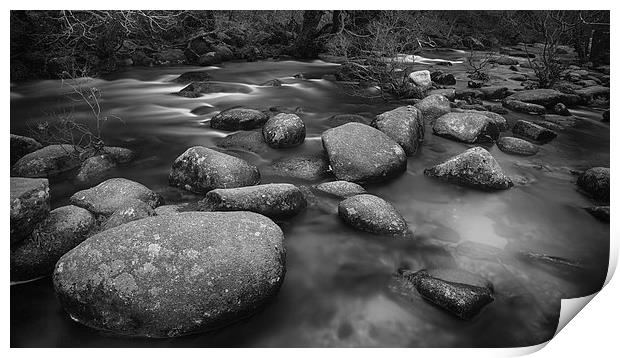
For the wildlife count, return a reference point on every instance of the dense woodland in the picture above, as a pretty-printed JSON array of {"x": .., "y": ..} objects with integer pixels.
[{"x": 48, "y": 44}]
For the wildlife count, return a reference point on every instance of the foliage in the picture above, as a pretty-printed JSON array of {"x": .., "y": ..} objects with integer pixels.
[{"x": 477, "y": 65}]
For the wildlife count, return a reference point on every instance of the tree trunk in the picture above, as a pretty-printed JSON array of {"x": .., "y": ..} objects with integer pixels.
[{"x": 306, "y": 46}]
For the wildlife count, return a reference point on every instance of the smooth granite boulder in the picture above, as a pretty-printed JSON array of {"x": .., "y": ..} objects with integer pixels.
[
  {"x": 372, "y": 214},
  {"x": 113, "y": 194},
  {"x": 236, "y": 119},
  {"x": 405, "y": 125},
  {"x": 517, "y": 146},
  {"x": 30, "y": 204}
]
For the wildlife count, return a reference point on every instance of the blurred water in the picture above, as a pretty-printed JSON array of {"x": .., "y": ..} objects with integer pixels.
[{"x": 336, "y": 289}]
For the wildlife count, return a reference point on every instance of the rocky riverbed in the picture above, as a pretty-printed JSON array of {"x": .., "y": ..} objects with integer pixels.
[{"x": 276, "y": 210}]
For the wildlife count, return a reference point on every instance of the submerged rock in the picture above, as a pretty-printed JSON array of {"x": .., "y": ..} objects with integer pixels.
[
  {"x": 494, "y": 92},
  {"x": 130, "y": 210},
  {"x": 309, "y": 168},
  {"x": 605, "y": 116},
  {"x": 533, "y": 131},
  {"x": 285, "y": 130},
  {"x": 30, "y": 204},
  {"x": 433, "y": 107},
  {"x": 599, "y": 212},
  {"x": 95, "y": 168},
  {"x": 246, "y": 140},
  {"x": 341, "y": 188},
  {"x": 370, "y": 213},
  {"x": 459, "y": 292},
  {"x": 517, "y": 146},
  {"x": 197, "y": 89},
  {"x": 113, "y": 194},
  {"x": 519, "y": 106},
  {"x": 441, "y": 78},
  {"x": 360, "y": 153},
  {"x": 405, "y": 125},
  {"x": 277, "y": 201},
  {"x": 194, "y": 76},
  {"x": 596, "y": 182},
  {"x": 167, "y": 276},
  {"x": 560, "y": 108},
  {"x": 236, "y": 119},
  {"x": 468, "y": 127},
  {"x": 201, "y": 169},
  {"x": 47, "y": 161},
  {"x": 119, "y": 154},
  {"x": 544, "y": 97},
  {"x": 61, "y": 231},
  {"x": 475, "y": 167},
  {"x": 21, "y": 146}
]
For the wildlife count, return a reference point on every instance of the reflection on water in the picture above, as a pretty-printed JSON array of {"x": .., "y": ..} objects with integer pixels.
[{"x": 336, "y": 292}]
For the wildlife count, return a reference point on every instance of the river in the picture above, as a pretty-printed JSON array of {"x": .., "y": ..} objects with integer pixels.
[{"x": 337, "y": 287}]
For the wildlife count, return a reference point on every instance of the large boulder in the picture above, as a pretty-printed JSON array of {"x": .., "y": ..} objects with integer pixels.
[
  {"x": 529, "y": 130},
  {"x": 112, "y": 194},
  {"x": 61, "y": 231},
  {"x": 459, "y": 292},
  {"x": 545, "y": 97},
  {"x": 277, "y": 201},
  {"x": 47, "y": 161},
  {"x": 517, "y": 146},
  {"x": 372, "y": 214},
  {"x": 172, "y": 275},
  {"x": 201, "y": 169},
  {"x": 421, "y": 78},
  {"x": 596, "y": 182},
  {"x": 589, "y": 93},
  {"x": 21, "y": 146},
  {"x": 523, "y": 107},
  {"x": 341, "y": 188},
  {"x": 30, "y": 204},
  {"x": 433, "y": 107},
  {"x": 95, "y": 168},
  {"x": 493, "y": 117},
  {"x": 236, "y": 119},
  {"x": 405, "y": 125},
  {"x": 284, "y": 130},
  {"x": 475, "y": 168},
  {"x": 468, "y": 127},
  {"x": 360, "y": 153}
]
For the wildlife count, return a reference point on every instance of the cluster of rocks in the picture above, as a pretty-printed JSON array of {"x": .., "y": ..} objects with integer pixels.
[
  {"x": 29, "y": 159},
  {"x": 595, "y": 183}
]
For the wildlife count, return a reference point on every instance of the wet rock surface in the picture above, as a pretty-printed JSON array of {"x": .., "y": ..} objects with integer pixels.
[
  {"x": 276, "y": 201},
  {"x": 545, "y": 97},
  {"x": 284, "y": 130},
  {"x": 113, "y": 194},
  {"x": 433, "y": 107},
  {"x": 21, "y": 146},
  {"x": 172, "y": 275},
  {"x": 517, "y": 146},
  {"x": 61, "y": 231},
  {"x": 341, "y": 188},
  {"x": 29, "y": 205},
  {"x": 458, "y": 292},
  {"x": 533, "y": 131},
  {"x": 250, "y": 141},
  {"x": 405, "y": 125},
  {"x": 468, "y": 127},
  {"x": 596, "y": 182},
  {"x": 475, "y": 168},
  {"x": 360, "y": 153},
  {"x": 372, "y": 214},
  {"x": 310, "y": 168},
  {"x": 46, "y": 162},
  {"x": 95, "y": 168},
  {"x": 236, "y": 119},
  {"x": 201, "y": 169}
]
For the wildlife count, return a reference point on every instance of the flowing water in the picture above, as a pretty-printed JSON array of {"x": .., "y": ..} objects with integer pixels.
[{"x": 337, "y": 287}]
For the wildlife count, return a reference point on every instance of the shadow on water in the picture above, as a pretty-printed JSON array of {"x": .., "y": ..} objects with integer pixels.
[{"x": 337, "y": 288}]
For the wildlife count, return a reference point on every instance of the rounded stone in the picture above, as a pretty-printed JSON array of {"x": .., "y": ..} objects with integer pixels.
[
  {"x": 277, "y": 201},
  {"x": 405, "y": 125},
  {"x": 236, "y": 119},
  {"x": 61, "y": 231},
  {"x": 596, "y": 182},
  {"x": 167, "y": 276},
  {"x": 21, "y": 146},
  {"x": 433, "y": 107},
  {"x": 112, "y": 194},
  {"x": 341, "y": 188},
  {"x": 360, "y": 153},
  {"x": 284, "y": 130},
  {"x": 95, "y": 168},
  {"x": 131, "y": 210},
  {"x": 47, "y": 161},
  {"x": 370, "y": 213},
  {"x": 517, "y": 146},
  {"x": 30, "y": 204},
  {"x": 468, "y": 127},
  {"x": 201, "y": 169}
]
